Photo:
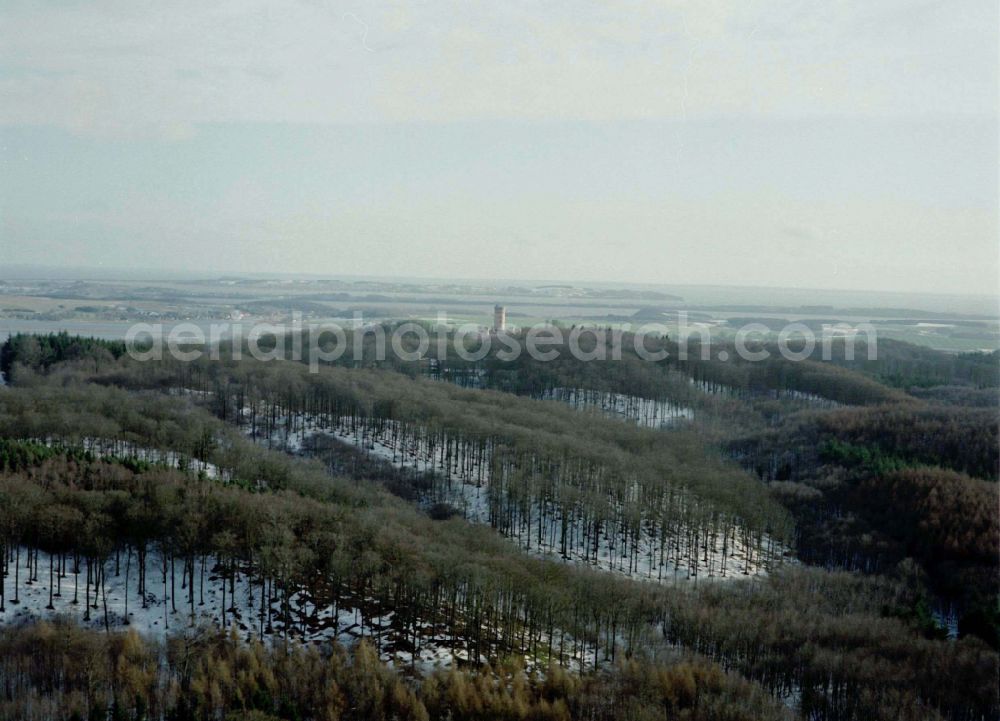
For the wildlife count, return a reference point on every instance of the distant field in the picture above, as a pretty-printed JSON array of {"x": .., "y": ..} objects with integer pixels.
[{"x": 106, "y": 308}]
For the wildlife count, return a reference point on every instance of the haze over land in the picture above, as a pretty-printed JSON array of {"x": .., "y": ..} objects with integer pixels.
[{"x": 767, "y": 145}]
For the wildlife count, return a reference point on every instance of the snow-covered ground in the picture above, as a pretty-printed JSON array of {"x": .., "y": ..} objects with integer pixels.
[
  {"x": 466, "y": 488},
  {"x": 642, "y": 411},
  {"x": 162, "y": 614},
  {"x": 118, "y": 604},
  {"x": 720, "y": 389},
  {"x": 114, "y": 448}
]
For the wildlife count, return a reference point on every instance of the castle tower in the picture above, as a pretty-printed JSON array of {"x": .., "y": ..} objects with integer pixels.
[{"x": 499, "y": 318}]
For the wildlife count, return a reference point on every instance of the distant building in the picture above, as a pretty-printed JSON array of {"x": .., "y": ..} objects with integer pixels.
[{"x": 499, "y": 318}]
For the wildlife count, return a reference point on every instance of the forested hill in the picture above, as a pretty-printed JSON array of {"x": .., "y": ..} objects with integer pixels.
[
  {"x": 856, "y": 373},
  {"x": 487, "y": 555},
  {"x": 542, "y": 468},
  {"x": 898, "y": 372}
]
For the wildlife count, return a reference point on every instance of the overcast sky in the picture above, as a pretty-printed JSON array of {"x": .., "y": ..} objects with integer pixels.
[{"x": 835, "y": 145}]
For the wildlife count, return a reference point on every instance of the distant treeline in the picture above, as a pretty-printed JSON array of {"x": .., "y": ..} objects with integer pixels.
[{"x": 40, "y": 352}]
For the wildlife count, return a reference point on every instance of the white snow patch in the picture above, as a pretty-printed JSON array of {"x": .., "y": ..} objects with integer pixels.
[{"x": 641, "y": 411}]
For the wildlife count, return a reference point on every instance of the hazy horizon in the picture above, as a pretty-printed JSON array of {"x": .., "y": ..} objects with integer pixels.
[
  {"x": 849, "y": 148},
  {"x": 693, "y": 294}
]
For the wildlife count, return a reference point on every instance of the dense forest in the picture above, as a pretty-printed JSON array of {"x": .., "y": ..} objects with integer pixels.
[
  {"x": 59, "y": 670},
  {"x": 247, "y": 538}
]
